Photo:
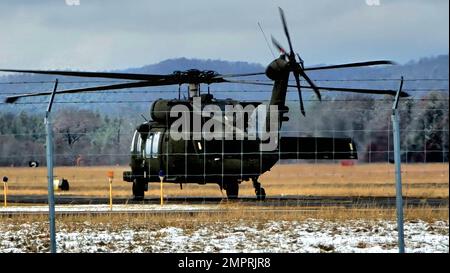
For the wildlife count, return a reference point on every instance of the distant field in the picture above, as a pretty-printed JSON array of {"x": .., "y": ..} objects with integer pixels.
[{"x": 419, "y": 180}]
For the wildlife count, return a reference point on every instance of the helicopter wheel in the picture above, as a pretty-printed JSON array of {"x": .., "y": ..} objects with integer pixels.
[
  {"x": 232, "y": 190},
  {"x": 261, "y": 195},
  {"x": 138, "y": 190},
  {"x": 259, "y": 191}
]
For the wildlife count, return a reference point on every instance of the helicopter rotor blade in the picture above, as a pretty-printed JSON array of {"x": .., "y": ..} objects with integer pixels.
[
  {"x": 283, "y": 20},
  {"x": 359, "y": 90},
  {"x": 13, "y": 99},
  {"x": 311, "y": 83},
  {"x": 359, "y": 64},
  {"x": 278, "y": 45},
  {"x": 336, "y": 89},
  {"x": 297, "y": 80},
  {"x": 297, "y": 68},
  {"x": 249, "y": 82},
  {"x": 108, "y": 75},
  {"x": 240, "y": 75}
]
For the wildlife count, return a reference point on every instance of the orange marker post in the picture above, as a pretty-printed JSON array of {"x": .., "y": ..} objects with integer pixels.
[
  {"x": 110, "y": 175},
  {"x": 161, "y": 178}
]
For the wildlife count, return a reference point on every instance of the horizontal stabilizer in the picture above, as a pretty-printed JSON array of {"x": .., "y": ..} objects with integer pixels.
[{"x": 317, "y": 148}]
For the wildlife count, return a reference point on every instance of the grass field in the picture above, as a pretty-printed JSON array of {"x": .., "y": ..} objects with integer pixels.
[
  {"x": 237, "y": 228},
  {"x": 419, "y": 180}
]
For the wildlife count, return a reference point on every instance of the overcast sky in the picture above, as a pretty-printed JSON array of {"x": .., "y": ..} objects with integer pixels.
[{"x": 112, "y": 34}]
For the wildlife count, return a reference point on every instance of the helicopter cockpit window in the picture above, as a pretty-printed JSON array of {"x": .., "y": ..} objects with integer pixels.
[
  {"x": 136, "y": 143},
  {"x": 152, "y": 145},
  {"x": 133, "y": 142},
  {"x": 155, "y": 144},
  {"x": 148, "y": 145},
  {"x": 139, "y": 143}
]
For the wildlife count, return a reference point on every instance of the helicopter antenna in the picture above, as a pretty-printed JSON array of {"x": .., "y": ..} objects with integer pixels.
[
  {"x": 265, "y": 38},
  {"x": 142, "y": 115}
]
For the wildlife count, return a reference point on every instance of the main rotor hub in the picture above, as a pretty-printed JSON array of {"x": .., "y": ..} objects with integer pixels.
[{"x": 195, "y": 76}]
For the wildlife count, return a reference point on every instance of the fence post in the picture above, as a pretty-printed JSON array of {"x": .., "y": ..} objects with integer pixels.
[
  {"x": 49, "y": 149},
  {"x": 398, "y": 175}
]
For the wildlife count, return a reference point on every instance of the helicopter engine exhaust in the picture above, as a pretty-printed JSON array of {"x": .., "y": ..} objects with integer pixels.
[
  {"x": 194, "y": 89},
  {"x": 276, "y": 70}
]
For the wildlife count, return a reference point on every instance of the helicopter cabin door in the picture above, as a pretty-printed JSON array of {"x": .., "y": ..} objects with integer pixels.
[{"x": 195, "y": 153}]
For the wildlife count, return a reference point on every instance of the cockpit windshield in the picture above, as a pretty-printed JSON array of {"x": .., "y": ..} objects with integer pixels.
[
  {"x": 152, "y": 145},
  {"x": 136, "y": 143}
]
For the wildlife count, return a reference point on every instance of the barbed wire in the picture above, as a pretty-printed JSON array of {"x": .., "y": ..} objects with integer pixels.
[
  {"x": 281, "y": 132},
  {"x": 225, "y": 153},
  {"x": 244, "y": 100},
  {"x": 216, "y": 91},
  {"x": 150, "y": 101},
  {"x": 317, "y": 80}
]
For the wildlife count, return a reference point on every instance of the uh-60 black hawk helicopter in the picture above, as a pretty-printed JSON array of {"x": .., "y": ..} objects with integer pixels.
[{"x": 156, "y": 153}]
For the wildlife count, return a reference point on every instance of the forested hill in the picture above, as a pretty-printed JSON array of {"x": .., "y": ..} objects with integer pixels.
[{"x": 425, "y": 68}]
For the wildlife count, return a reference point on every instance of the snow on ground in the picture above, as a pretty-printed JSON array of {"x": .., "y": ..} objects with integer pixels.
[{"x": 311, "y": 235}]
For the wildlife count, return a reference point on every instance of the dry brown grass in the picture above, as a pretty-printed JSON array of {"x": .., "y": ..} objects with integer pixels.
[
  {"x": 419, "y": 180},
  {"x": 192, "y": 220}
]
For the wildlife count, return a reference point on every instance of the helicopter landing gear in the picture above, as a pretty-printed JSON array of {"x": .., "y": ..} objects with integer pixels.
[
  {"x": 259, "y": 191},
  {"x": 138, "y": 190},
  {"x": 232, "y": 189}
]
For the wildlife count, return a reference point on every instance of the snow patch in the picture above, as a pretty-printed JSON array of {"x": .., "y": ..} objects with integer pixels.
[{"x": 312, "y": 235}]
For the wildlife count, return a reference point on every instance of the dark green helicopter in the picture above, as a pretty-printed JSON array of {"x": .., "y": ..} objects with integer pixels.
[{"x": 224, "y": 161}]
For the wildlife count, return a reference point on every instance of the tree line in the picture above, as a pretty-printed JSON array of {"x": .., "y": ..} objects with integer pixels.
[
  {"x": 86, "y": 137},
  {"x": 424, "y": 125},
  {"x": 81, "y": 137}
]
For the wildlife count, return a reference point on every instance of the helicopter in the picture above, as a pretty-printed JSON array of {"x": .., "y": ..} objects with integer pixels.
[{"x": 156, "y": 155}]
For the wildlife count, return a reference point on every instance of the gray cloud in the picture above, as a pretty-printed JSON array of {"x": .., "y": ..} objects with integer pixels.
[{"x": 118, "y": 34}]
